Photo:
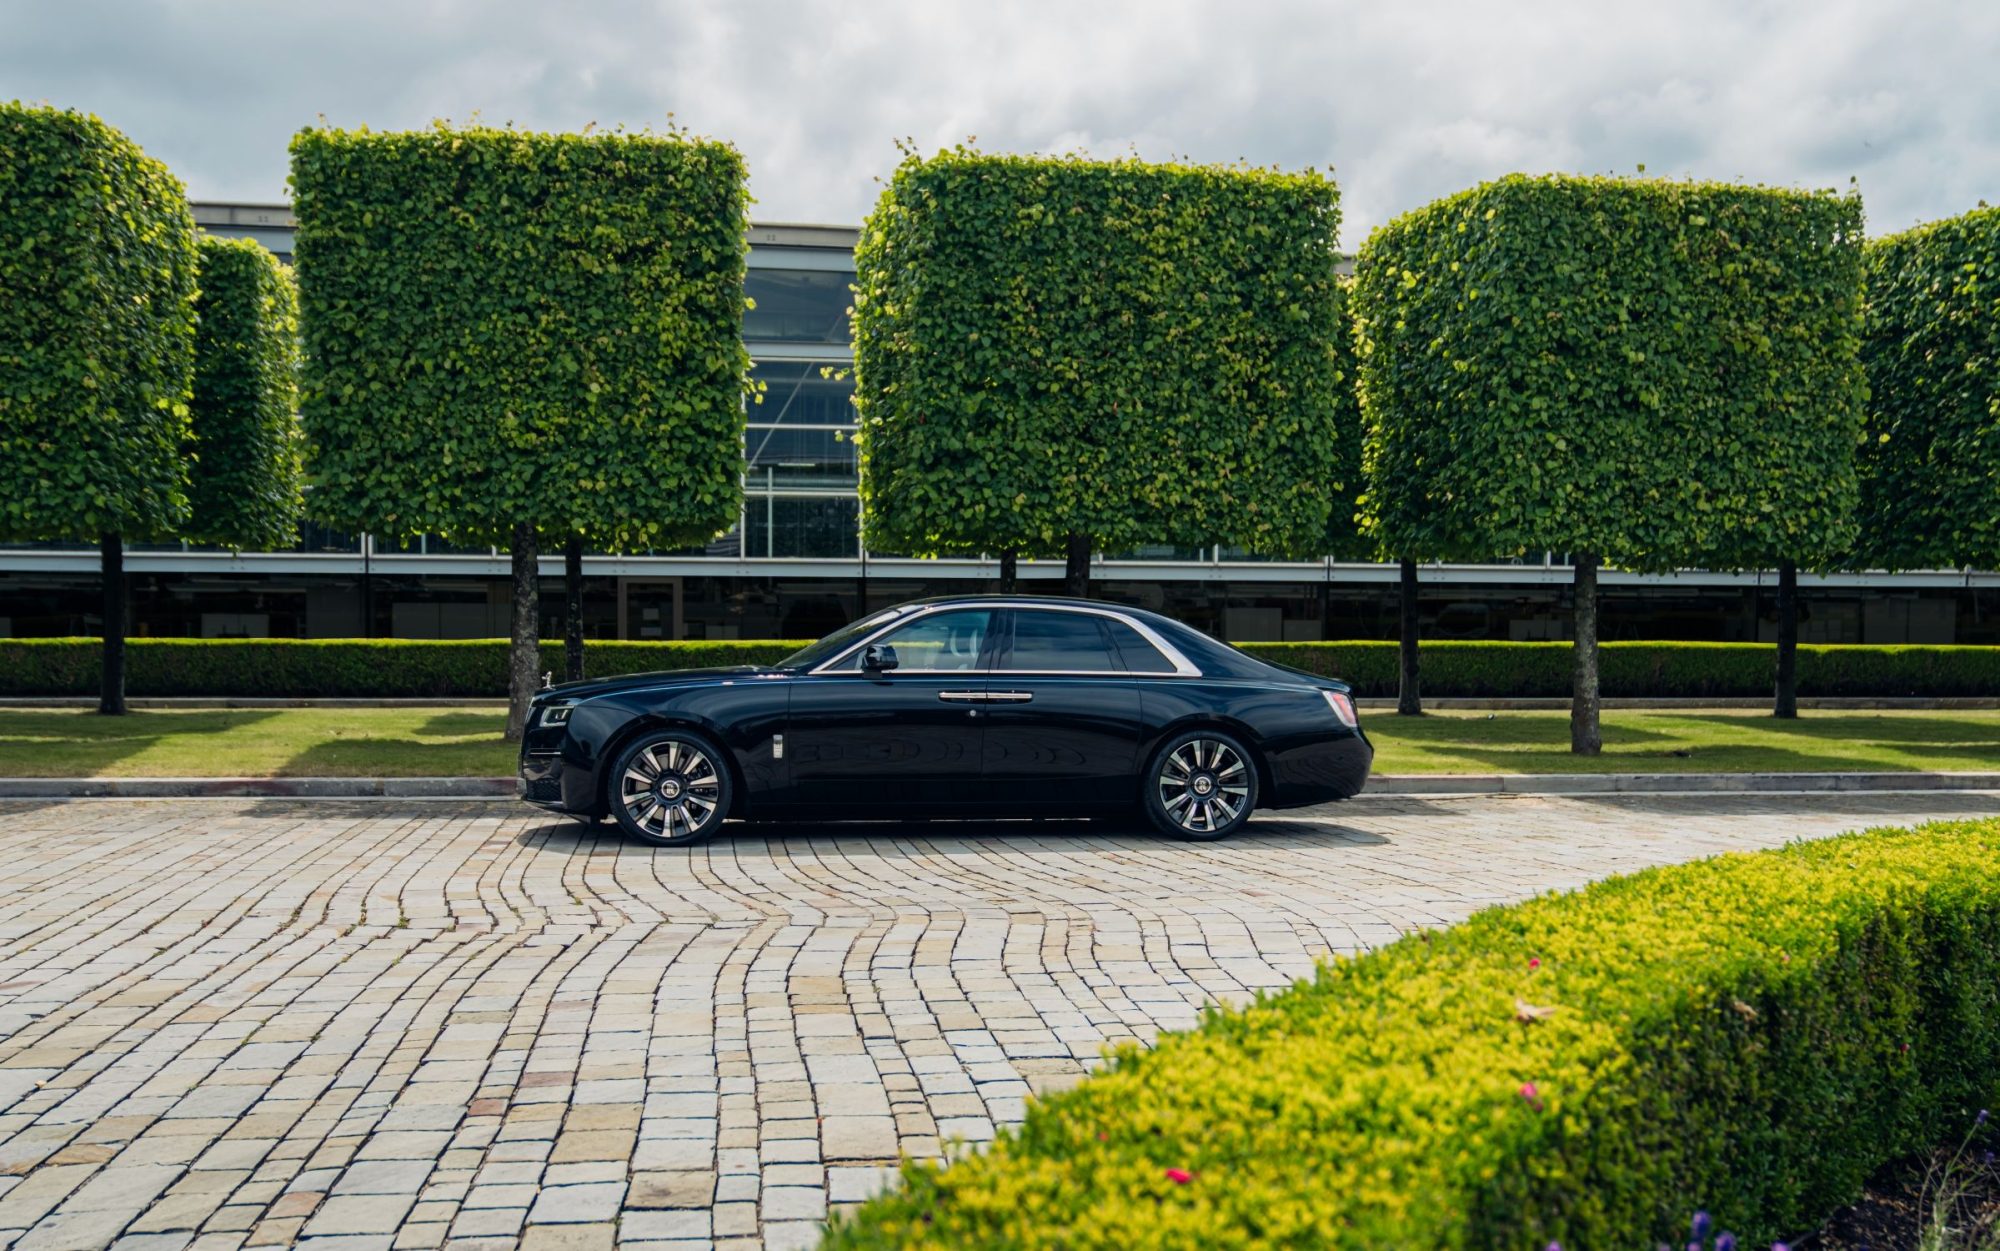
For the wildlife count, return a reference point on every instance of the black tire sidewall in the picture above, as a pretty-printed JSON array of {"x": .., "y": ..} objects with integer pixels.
[
  {"x": 1149, "y": 798},
  {"x": 726, "y": 796}
]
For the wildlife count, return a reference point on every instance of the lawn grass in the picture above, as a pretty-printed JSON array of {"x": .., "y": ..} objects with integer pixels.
[
  {"x": 448, "y": 742},
  {"x": 1689, "y": 741},
  {"x": 255, "y": 742}
]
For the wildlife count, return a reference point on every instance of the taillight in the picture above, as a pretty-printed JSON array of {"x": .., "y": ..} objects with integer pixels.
[{"x": 1343, "y": 708}]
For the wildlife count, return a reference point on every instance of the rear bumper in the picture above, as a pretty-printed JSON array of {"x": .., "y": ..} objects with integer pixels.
[{"x": 1320, "y": 772}]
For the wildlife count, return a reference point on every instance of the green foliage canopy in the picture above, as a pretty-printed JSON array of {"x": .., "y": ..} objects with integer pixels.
[
  {"x": 244, "y": 485},
  {"x": 1662, "y": 373},
  {"x": 97, "y": 331},
  {"x": 1138, "y": 353},
  {"x": 1343, "y": 484},
  {"x": 503, "y": 326},
  {"x": 1930, "y": 467}
]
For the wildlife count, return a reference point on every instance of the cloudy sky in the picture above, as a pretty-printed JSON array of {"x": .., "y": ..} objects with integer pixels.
[{"x": 1405, "y": 99}]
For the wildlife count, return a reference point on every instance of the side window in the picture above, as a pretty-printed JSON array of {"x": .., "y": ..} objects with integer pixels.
[
  {"x": 1139, "y": 655},
  {"x": 1059, "y": 642},
  {"x": 947, "y": 641}
]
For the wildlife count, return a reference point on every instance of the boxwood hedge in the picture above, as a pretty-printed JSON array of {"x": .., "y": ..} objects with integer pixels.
[
  {"x": 475, "y": 668},
  {"x": 1752, "y": 1034},
  {"x": 245, "y": 442}
]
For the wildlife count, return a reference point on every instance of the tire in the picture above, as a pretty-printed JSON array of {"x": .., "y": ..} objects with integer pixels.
[
  {"x": 669, "y": 788},
  {"x": 1201, "y": 786}
]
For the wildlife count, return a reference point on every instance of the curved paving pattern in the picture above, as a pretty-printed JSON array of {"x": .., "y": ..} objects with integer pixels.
[{"x": 413, "y": 1025}]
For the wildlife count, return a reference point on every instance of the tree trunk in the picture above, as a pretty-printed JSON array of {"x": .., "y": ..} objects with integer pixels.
[
  {"x": 1787, "y": 702},
  {"x": 573, "y": 613},
  {"x": 1585, "y": 738},
  {"x": 524, "y": 654},
  {"x": 111, "y": 561},
  {"x": 1076, "y": 569},
  {"x": 1409, "y": 701},
  {"x": 1009, "y": 571}
]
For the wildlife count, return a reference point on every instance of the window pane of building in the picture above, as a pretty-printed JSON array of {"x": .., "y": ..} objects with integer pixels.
[
  {"x": 786, "y": 456},
  {"x": 802, "y": 525},
  {"x": 800, "y": 393},
  {"x": 797, "y": 305}
]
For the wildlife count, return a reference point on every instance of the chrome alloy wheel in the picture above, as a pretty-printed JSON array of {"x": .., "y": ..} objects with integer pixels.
[
  {"x": 1203, "y": 785},
  {"x": 671, "y": 790}
]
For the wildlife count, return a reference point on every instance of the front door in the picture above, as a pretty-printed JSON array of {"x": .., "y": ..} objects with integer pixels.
[
  {"x": 1064, "y": 720},
  {"x": 862, "y": 741}
]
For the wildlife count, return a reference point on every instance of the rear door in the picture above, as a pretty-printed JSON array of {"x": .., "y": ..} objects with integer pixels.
[{"x": 1063, "y": 715}]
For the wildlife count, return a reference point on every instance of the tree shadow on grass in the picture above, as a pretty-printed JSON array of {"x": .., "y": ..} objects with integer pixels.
[
  {"x": 45, "y": 743},
  {"x": 464, "y": 724}
]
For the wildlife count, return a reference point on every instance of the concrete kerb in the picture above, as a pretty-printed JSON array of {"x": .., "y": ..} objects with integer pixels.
[{"x": 1379, "y": 785}]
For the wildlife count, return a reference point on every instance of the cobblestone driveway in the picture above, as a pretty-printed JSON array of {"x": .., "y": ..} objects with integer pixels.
[{"x": 228, "y": 1023}]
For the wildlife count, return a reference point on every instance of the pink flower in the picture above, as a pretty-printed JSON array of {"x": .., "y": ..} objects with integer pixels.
[
  {"x": 1534, "y": 962},
  {"x": 1528, "y": 1091},
  {"x": 1179, "y": 1176}
]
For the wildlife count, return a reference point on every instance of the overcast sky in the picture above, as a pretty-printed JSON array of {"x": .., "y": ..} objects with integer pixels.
[{"x": 1405, "y": 100}]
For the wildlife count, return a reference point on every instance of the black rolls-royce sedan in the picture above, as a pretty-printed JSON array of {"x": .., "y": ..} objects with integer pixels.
[{"x": 979, "y": 706}]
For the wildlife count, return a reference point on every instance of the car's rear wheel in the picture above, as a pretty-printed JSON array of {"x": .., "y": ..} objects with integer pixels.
[
  {"x": 1202, "y": 786},
  {"x": 670, "y": 788}
]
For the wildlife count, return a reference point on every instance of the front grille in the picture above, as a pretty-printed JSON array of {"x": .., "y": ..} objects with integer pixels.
[{"x": 548, "y": 790}]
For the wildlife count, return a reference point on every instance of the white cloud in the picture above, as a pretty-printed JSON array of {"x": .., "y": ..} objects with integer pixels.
[{"x": 1406, "y": 101}]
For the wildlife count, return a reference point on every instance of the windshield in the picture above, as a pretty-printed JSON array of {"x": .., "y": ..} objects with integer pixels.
[{"x": 833, "y": 644}]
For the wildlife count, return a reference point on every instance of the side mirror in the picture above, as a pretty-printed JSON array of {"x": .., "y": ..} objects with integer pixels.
[{"x": 878, "y": 658}]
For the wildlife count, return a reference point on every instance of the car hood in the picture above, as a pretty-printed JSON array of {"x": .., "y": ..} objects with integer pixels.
[{"x": 574, "y": 691}]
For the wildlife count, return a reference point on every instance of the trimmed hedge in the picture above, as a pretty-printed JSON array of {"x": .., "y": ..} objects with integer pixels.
[
  {"x": 359, "y": 668},
  {"x": 1656, "y": 670},
  {"x": 245, "y": 488},
  {"x": 97, "y": 331},
  {"x": 1130, "y": 352},
  {"x": 1660, "y": 373},
  {"x": 477, "y": 668},
  {"x": 1752, "y": 1035},
  {"x": 1930, "y": 467},
  {"x": 503, "y": 326}
]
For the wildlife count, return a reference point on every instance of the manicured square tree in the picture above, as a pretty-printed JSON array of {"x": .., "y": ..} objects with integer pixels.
[
  {"x": 97, "y": 335},
  {"x": 1656, "y": 374},
  {"x": 245, "y": 444},
  {"x": 1054, "y": 354},
  {"x": 511, "y": 335},
  {"x": 1930, "y": 464}
]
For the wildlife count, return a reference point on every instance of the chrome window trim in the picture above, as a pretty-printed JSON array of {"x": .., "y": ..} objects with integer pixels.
[{"x": 1183, "y": 667}]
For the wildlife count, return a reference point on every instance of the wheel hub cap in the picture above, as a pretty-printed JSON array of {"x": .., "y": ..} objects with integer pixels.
[
  {"x": 1203, "y": 785},
  {"x": 672, "y": 790}
]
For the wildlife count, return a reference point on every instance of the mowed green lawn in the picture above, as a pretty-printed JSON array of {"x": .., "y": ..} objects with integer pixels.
[{"x": 448, "y": 742}]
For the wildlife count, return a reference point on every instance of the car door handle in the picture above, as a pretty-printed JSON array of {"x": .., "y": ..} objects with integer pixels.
[
  {"x": 1009, "y": 697},
  {"x": 962, "y": 697}
]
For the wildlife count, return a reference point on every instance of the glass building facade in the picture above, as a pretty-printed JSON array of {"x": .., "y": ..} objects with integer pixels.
[{"x": 794, "y": 566}]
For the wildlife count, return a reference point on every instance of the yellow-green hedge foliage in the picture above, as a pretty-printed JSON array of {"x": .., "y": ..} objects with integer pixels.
[{"x": 1752, "y": 1034}]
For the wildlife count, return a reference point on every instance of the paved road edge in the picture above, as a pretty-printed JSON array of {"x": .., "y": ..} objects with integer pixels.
[{"x": 1380, "y": 784}]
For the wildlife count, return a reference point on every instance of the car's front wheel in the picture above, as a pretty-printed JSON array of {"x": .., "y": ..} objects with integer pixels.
[
  {"x": 1201, "y": 786},
  {"x": 670, "y": 788}
]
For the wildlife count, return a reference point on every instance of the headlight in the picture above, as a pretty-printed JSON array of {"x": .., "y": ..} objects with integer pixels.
[
  {"x": 1343, "y": 708},
  {"x": 554, "y": 714}
]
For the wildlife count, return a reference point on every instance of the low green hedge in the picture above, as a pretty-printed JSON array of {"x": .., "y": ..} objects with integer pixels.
[
  {"x": 421, "y": 668},
  {"x": 360, "y": 668},
  {"x": 1653, "y": 670},
  {"x": 1752, "y": 1035}
]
